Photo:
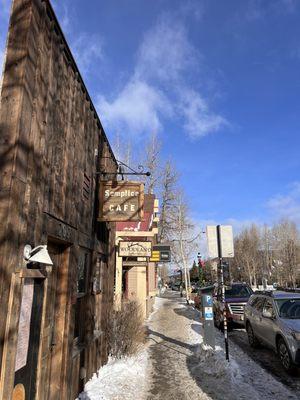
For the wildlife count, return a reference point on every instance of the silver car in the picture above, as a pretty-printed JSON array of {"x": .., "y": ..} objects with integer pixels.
[{"x": 273, "y": 318}]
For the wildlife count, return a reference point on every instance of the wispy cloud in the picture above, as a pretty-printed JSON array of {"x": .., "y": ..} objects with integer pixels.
[
  {"x": 286, "y": 205},
  {"x": 160, "y": 86},
  {"x": 165, "y": 52},
  {"x": 87, "y": 50},
  {"x": 198, "y": 119},
  {"x": 139, "y": 107},
  {"x": 64, "y": 13}
]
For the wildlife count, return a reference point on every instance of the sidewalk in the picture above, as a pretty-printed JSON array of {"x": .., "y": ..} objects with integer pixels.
[
  {"x": 172, "y": 351},
  {"x": 175, "y": 365}
]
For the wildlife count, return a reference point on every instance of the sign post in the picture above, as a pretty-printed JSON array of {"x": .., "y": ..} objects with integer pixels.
[{"x": 220, "y": 245}]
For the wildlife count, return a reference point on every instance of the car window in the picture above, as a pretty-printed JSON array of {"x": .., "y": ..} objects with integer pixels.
[
  {"x": 289, "y": 308},
  {"x": 238, "y": 291},
  {"x": 258, "y": 304},
  {"x": 252, "y": 300},
  {"x": 268, "y": 306}
]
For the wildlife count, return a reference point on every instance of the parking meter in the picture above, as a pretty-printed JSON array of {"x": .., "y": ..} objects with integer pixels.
[{"x": 208, "y": 315}]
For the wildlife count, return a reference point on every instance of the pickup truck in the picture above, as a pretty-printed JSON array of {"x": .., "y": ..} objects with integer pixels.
[{"x": 236, "y": 297}]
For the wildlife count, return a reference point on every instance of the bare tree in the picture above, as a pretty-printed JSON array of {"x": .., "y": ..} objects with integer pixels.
[
  {"x": 286, "y": 252},
  {"x": 168, "y": 189},
  {"x": 247, "y": 255},
  {"x": 183, "y": 239},
  {"x": 152, "y": 163}
]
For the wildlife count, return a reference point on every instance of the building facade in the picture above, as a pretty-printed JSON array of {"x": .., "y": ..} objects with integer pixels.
[
  {"x": 136, "y": 277},
  {"x": 52, "y": 145}
]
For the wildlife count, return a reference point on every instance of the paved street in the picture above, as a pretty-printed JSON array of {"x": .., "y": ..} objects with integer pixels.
[{"x": 268, "y": 360}]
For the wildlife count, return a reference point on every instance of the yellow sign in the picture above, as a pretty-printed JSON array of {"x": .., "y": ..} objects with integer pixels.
[{"x": 155, "y": 256}]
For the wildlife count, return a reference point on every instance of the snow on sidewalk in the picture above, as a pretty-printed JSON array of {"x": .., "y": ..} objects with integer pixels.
[
  {"x": 241, "y": 378},
  {"x": 176, "y": 356},
  {"x": 119, "y": 379}
]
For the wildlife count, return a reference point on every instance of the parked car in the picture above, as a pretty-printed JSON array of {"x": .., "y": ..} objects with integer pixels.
[
  {"x": 176, "y": 286},
  {"x": 236, "y": 297},
  {"x": 273, "y": 318}
]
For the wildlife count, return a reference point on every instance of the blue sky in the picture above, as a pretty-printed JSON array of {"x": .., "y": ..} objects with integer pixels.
[{"x": 218, "y": 81}]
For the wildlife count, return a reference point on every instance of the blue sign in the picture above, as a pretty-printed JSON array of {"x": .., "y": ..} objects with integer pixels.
[
  {"x": 208, "y": 313},
  {"x": 209, "y": 300}
]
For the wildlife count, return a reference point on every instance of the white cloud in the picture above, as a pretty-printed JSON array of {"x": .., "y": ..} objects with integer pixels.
[
  {"x": 138, "y": 108},
  {"x": 63, "y": 11},
  {"x": 198, "y": 119},
  {"x": 87, "y": 50},
  {"x": 160, "y": 87},
  {"x": 287, "y": 205},
  {"x": 165, "y": 53}
]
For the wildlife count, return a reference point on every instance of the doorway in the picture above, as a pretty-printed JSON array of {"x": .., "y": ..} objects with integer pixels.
[{"x": 29, "y": 336}]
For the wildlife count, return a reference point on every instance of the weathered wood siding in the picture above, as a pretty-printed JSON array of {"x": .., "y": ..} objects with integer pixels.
[{"x": 51, "y": 145}]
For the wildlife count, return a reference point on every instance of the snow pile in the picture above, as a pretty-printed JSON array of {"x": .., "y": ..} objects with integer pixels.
[
  {"x": 156, "y": 306},
  {"x": 121, "y": 378},
  {"x": 117, "y": 378},
  {"x": 221, "y": 378}
]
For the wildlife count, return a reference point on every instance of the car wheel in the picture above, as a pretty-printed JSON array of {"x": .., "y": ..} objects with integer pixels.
[
  {"x": 284, "y": 355},
  {"x": 251, "y": 337}
]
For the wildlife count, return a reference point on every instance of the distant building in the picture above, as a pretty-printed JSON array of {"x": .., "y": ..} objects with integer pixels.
[{"x": 136, "y": 277}]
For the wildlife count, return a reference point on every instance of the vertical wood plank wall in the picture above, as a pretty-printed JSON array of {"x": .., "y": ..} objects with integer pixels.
[{"x": 51, "y": 145}]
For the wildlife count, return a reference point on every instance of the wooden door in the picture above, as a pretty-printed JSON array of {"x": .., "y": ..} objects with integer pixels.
[
  {"x": 29, "y": 338},
  {"x": 54, "y": 325}
]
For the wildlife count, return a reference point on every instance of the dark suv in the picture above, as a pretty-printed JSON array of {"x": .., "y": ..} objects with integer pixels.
[{"x": 236, "y": 297}]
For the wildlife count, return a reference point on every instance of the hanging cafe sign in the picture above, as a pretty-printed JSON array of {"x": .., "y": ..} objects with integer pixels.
[
  {"x": 135, "y": 249},
  {"x": 121, "y": 201}
]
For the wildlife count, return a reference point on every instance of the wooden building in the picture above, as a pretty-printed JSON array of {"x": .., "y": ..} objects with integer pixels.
[
  {"x": 52, "y": 144},
  {"x": 136, "y": 277}
]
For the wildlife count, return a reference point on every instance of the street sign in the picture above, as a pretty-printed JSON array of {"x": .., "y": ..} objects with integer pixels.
[
  {"x": 155, "y": 257},
  {"x": 222, "y": 246},
  {"x": 212, "y": 241},
  {"x": 208, "y": 313},
  {"x": 226, "y": 241},
  {"x": 161, "y": 253},
  {"x": 134, "y": 249},
  {"x": 121, "y": 201}
]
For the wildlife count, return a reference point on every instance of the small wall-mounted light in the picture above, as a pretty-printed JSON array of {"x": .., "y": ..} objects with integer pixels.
[{"x": 39, "y": 254}]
